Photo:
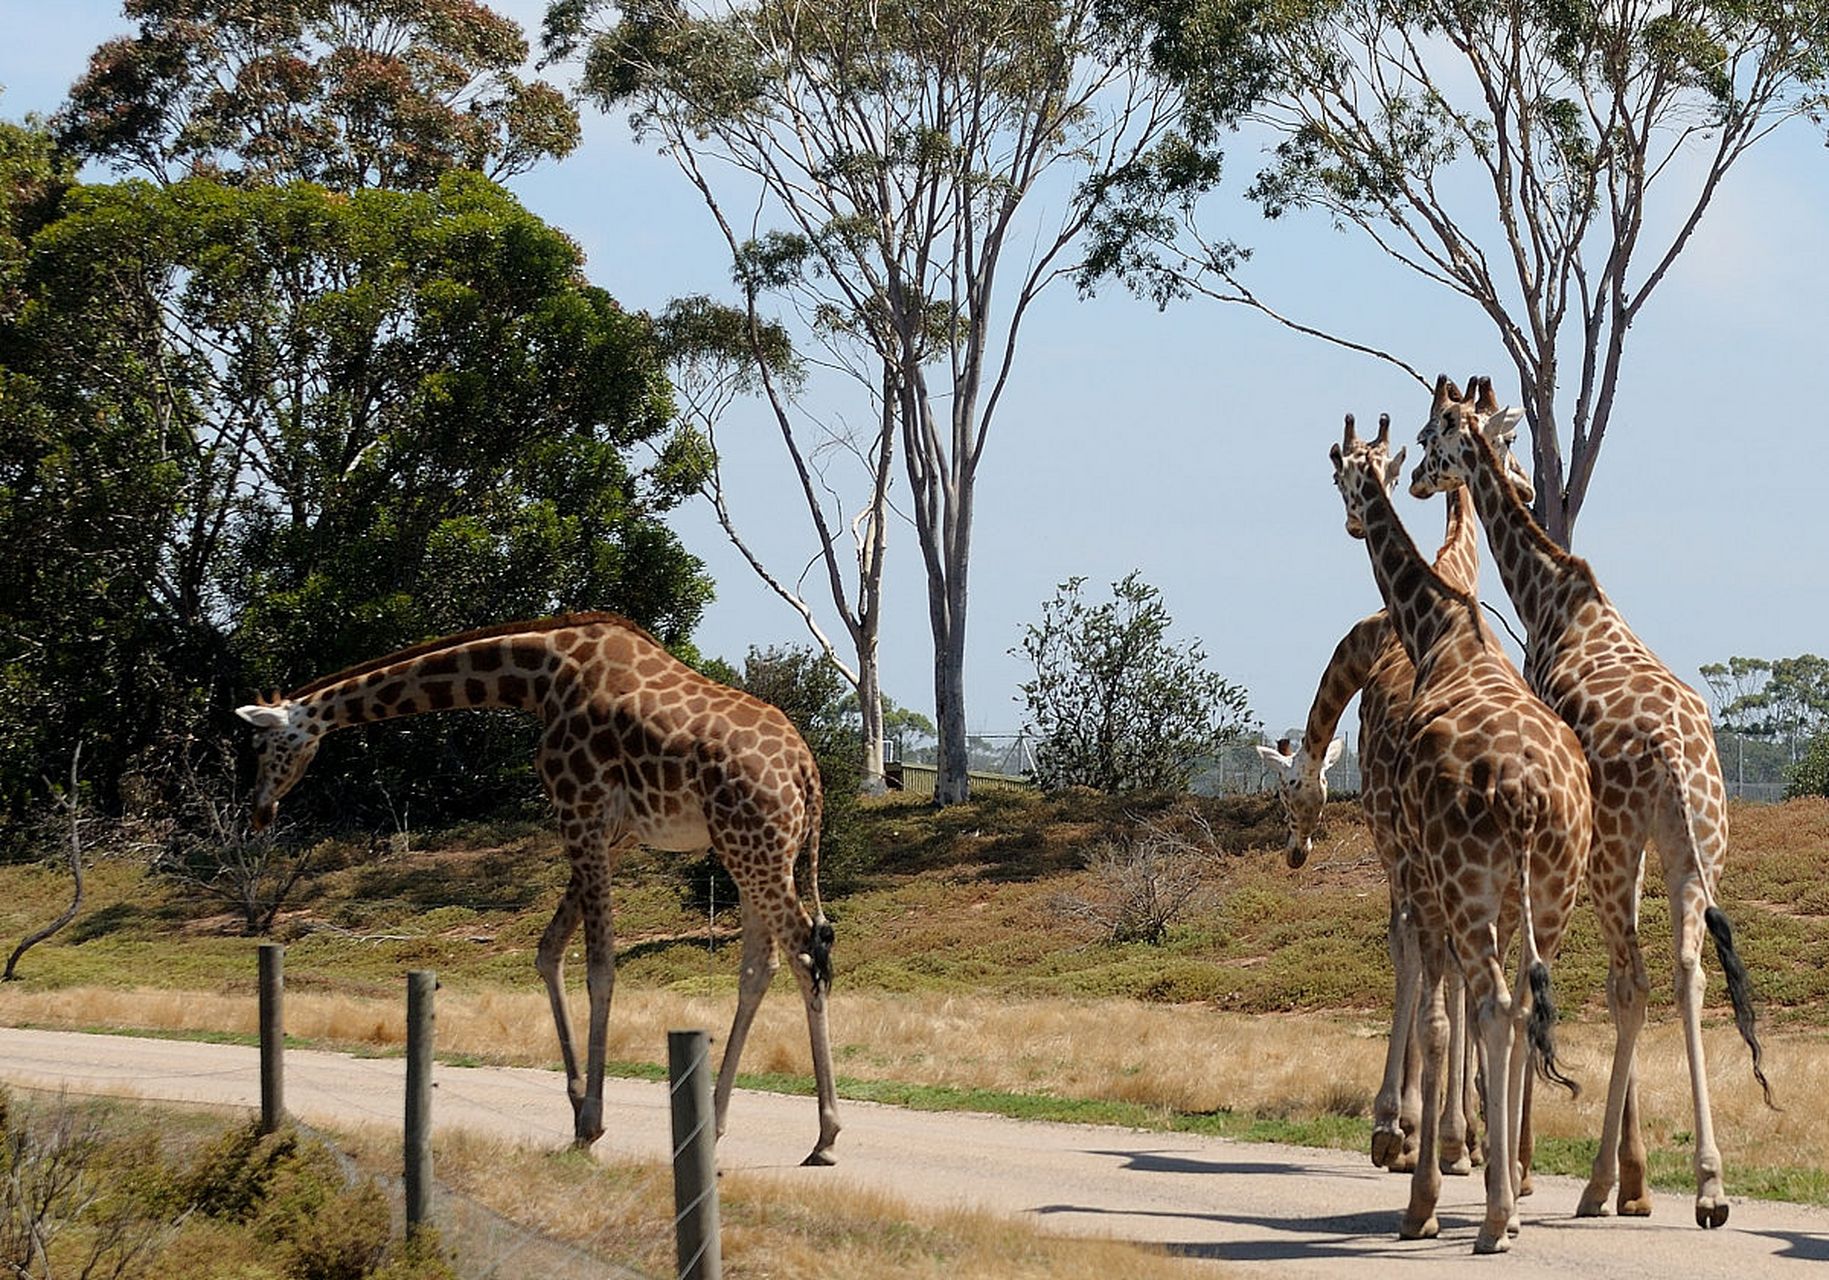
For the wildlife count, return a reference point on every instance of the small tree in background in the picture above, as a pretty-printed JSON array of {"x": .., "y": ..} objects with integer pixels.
[
  {"x": 1810, "y": 775},
  {"x": 1113, "y": 703}
]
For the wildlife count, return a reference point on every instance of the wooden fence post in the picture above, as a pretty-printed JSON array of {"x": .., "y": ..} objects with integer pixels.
[
  {"x": 272, "y": 1037},
  {"x": 420, "y": 984},
  {"x": 695, "y": 1160}
]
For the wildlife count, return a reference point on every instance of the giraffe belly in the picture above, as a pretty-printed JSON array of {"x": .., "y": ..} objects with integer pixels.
[{"x": 683, "y": 831}]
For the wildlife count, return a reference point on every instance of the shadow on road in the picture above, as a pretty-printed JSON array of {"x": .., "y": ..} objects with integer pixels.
[{"x": 1368, "y": 1234}]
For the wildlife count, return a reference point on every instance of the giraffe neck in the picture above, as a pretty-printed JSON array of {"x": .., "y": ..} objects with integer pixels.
[
  {"x": 515, "y": 672},
  {"x": 1346, "y": 674},
  {"x": 1458, "y": 561},
  {"x": 1545, "y": 583},
  {"x": 1426, "y": 612}
]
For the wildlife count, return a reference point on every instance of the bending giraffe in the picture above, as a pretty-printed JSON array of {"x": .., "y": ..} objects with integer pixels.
[
  {"x": 638, "y": 749},
  {"x": 1656, "y": 777},
  {"x": 1370, "y": 661},
  {"x": 1494, "y": 816}
]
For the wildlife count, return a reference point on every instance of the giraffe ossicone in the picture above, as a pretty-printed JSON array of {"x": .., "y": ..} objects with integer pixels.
[{"x": 638, "y": 748}]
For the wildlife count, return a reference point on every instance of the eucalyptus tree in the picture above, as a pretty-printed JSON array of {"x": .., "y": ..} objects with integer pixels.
[
  {"x": 349, "y": 93},
  {"x": 1546, "y": 163},
  {"x": 910, "y": 177}
]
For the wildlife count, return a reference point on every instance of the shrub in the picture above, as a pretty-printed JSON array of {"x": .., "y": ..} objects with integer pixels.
[
  {"x": 1113, "y": 704},
  {"x": 1147, "y": 881},
  {"x": 1810, "y": 775}
]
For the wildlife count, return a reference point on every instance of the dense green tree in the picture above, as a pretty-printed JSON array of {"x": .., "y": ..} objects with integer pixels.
[
  {"x": 349, "y": 93},
  {"x": 266, "y": 432},
  {"x": 1114, "y": 704},
  {"x": 1810, "y": 775}
]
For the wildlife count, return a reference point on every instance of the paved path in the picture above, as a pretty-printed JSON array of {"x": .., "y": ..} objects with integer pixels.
[{"x": 1270, "y": 1210}]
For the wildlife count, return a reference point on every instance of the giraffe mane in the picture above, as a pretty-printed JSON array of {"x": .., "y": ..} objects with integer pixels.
[{"x": 536, "y": 626}]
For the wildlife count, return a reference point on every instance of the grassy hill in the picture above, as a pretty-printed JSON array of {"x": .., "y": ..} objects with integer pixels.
[{"x": 965, "y": 979}]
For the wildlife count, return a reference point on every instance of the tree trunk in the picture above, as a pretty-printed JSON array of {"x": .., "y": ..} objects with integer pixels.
[
  {"x": 870, "y": 719},
  {"x": 953, "y": 784}
]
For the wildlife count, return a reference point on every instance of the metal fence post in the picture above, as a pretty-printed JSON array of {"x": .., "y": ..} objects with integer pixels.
[
  {"x": 695, "y": 1160},
  {"x": 272, "y": 1037},
  {"x": 420, "y": 984}
]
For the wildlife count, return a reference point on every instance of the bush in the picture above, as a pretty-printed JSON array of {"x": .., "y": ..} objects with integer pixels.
[
  {"x": 1810, "y": 775},
  {"x": 1113, "y": 705},
  {"x": 1146, "y": 882}
]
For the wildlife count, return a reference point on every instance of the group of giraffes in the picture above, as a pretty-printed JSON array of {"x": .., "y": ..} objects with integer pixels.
[
  {"x": 1486, "y": 804},
  {"x": 1489, "y": 793}
]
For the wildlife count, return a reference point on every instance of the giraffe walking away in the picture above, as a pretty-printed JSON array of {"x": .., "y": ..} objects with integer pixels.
[
  {"x": 1369, "y": 661},
  {"x": 1656, "y": 778},
  {"x": 1494, "y": 815},
  {"x": 638, "y": 749}
]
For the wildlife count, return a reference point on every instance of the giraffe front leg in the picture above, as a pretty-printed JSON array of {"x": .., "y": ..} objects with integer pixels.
[
  {"x": 550, "y": 961},
  {"x": 600, "y": 984},
  {"x": 1454, "y": 1158},
  {"x": 1399, "y": 1085},
  {"x": 1419, "y": 1221}
]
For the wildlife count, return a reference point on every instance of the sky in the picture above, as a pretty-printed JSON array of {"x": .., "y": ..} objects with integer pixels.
[{"x": 1191, "y": 444}]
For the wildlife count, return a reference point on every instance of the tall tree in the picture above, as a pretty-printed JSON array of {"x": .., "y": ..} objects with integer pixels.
[
  {"x": 349, "y": 93},
  {"x": 1548, "y": 163},
  {"x": 258, "y": 434},
  {"x": 875, "y": 163}
]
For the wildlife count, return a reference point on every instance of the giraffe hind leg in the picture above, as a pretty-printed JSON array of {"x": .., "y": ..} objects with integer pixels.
[{"x": 550, "y": 961}]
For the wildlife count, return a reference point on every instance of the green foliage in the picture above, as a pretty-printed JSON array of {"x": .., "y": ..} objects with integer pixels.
[
  {"x": 349, "y": 93},
  {"x": 1810, "y": 775},
  {"x": 1113, "y": 703},
  {"x": 257, "y": 435}
]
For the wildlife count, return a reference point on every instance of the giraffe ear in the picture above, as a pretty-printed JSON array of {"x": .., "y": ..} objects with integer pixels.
[
  {"x": 1393, "y": 468},
  {"x": 1276, "y": 759},
  {"x": 1501, "y": 427},
  {"x": 262, "y": 716},
  {"x": 1335, "y": 749}
]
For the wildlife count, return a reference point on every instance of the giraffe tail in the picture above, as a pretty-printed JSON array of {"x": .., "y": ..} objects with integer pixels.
[
  {"x": 1540, "y": 1030},
  {"x": 819, "y": 945},
  {"x": 1740, "y": 992}
]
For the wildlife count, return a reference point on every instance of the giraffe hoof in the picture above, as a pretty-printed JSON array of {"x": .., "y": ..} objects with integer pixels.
[
  {"x": 1499, "y": 1243},
  {"x": 1457, "y": 1167},
  {"x": 1404, "y": 1163},
  {"x": 1386, "y": 1147},
  {"x": 821, "y": 1158},
  {"x": 1592, "y": 1205},
  {"x": 1410, "y": 1229},
  {"x": 1710, "y": 1213},
  {"x": 1638, "y": 1207}
]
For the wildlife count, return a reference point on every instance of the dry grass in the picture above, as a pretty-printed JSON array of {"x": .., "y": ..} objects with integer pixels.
[
  {"x": 1182, "y": 1059},
  {"x": 622, "y": 1211}
]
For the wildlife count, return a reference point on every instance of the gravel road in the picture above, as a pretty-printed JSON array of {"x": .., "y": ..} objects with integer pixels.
[{"x": 1265, "y": 1209}]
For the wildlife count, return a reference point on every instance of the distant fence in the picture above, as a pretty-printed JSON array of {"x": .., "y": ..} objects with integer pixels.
[{"x": 920, "y": 779}]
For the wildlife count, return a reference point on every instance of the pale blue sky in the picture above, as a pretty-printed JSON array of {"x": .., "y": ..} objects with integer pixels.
[{"x": 1192, "y": 444}]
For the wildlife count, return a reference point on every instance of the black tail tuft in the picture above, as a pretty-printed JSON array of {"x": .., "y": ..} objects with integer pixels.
[
  {"x": 821, "y": 949},
  {"x": 1541, "y": 1028},
  {"x": 1740, "y": 991}
]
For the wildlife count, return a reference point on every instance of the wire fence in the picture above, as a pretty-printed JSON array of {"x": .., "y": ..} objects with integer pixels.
[{"x": 479, "y": 1242}]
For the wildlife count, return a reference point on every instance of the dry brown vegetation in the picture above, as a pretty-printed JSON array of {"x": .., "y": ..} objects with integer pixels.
[{"x": 1272, "y": 1001}]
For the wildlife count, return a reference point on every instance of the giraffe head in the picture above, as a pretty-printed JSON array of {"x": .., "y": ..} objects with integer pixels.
[
  {"x": 1363, "y": 469},
  {"x": 1302, "y": 791},
  {"x": 1451, "y": 450},
  {"x": 286, "y": 740}
]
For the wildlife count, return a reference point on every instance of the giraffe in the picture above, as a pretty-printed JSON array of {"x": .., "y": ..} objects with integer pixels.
[
  {"x": 1369, "y": 660},
  {"x": 638, "y": 748},
  {"x": 1494, "y": 816},
  {"x": 1656, "y": 778}
]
